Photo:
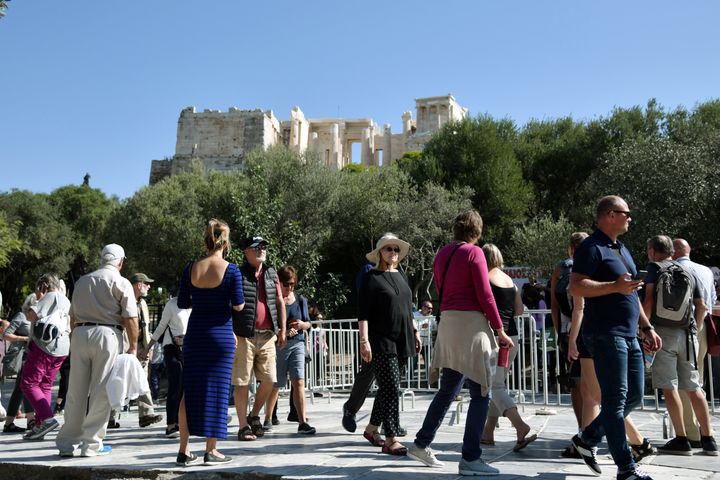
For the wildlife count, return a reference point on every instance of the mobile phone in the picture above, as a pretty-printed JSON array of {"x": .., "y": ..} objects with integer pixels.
[{"x": 640, "y": 275}]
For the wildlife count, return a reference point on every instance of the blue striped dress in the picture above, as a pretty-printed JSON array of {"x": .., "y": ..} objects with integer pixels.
[{"x": 208, "y": 350}]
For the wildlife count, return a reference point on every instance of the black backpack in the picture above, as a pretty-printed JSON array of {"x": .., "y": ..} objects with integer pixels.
[
  {"x": 674, "y": 287},
  {"x": 562, "y": 288}
]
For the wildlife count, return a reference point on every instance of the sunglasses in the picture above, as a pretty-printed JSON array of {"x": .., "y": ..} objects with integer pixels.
[
  {"x": 288, "y": 284},
  {"x": 260, "y": 248},
  {"x": 392, "y": 249},
  {"x": 624, "y": 212}
]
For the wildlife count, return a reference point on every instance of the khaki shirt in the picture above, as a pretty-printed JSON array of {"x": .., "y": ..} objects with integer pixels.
[{"x": 103, "y": 296}]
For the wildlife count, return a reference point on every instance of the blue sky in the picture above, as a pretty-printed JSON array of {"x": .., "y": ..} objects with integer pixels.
[{"x": 93, "y": 86}]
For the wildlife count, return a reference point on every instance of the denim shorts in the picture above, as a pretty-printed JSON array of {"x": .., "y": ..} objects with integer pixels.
[{"x": 290, "y": 361}]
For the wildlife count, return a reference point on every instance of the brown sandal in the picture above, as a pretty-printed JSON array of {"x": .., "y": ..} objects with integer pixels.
[
  {"x": 374, "y": 438},
  {"x": 400, "y": 451}
]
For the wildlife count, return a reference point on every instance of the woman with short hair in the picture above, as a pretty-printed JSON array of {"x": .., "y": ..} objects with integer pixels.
[
  {"x": 466, "y": 347},
  {"x": 291, "y": 358}
]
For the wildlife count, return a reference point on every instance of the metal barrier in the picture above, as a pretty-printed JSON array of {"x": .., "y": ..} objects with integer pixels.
[
  {"x": 334, "y": 355},
  {"x": 532, "y": 378}
]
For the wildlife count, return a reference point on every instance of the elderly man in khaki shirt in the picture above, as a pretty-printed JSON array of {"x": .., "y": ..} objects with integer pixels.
[{"x": 103, "y": 306}]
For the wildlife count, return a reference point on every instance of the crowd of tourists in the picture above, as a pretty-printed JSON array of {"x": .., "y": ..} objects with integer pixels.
[{"x": 234, "y": 327}]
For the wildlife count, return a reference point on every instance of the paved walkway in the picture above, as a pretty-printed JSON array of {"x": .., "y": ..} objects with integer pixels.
[{"x": 336, "y": 454}]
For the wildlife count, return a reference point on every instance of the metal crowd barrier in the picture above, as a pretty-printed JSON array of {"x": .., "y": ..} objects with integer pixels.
[
  {"x": 533, "y": 378},
  {"x": 334, "y": 360}
]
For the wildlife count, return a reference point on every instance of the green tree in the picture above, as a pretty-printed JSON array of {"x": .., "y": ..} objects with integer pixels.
[
  {"x": 541, "y": 243},
  {"x": 671, "y": 189},
  {"x": 9, "y": 241},
  {"x": 86, "y": 211},
  {"x": 46, "y": 242},
  {"x": 479, "y": 153}
]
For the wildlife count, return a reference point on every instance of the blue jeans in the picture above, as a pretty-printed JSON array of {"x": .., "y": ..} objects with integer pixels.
[
  {"x": 450, "y": 384},
  {"x": 620, "y": 372}
]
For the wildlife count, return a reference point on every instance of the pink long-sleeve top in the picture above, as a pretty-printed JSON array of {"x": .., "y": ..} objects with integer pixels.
[{"x": 467, "y": 286}]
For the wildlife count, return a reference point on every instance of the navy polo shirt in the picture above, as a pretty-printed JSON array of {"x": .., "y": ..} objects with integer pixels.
[{"x": 613, "y": 314}]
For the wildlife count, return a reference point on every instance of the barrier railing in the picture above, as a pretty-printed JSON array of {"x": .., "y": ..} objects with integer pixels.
[
  {"x": 334, "y": 359},
  {"x": 532, "y": 378}
]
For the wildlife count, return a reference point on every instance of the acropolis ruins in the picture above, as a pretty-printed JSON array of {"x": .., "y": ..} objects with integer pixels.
[{"x": 221, "y": 140}]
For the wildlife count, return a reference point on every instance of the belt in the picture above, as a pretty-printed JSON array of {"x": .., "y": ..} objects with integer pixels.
[
  {"x": 92, "y": 324},
  {"x": 264, "y": 331}
]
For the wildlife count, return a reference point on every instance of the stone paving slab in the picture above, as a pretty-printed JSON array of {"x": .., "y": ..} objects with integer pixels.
[{"x": 336, "y": 454}]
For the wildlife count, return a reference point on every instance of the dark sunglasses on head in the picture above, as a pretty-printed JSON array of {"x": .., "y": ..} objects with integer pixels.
[{"x": 392, "y": 249}]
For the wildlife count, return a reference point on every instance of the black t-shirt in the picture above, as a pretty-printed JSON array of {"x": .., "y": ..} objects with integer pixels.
[{"x": 386, "y": 304}]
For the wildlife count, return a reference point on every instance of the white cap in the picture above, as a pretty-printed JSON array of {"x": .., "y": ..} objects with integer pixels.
[{"x": 111, "y": 253}]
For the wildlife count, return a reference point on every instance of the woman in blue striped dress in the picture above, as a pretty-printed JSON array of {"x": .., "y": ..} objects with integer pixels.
[{"x": 212, "y": 287}]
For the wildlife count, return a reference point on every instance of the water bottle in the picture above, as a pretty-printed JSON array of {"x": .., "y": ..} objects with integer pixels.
[{"x": 649, "y": 358}]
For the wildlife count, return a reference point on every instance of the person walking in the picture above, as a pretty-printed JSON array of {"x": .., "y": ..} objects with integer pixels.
[
  {"x": 465, "y": 348},
  {"x": 509, "y": 304},
  {"x": 213, "y": 288},
  {"x": 291, "y": 359},
  {"x": 604, "y": 273},
  {"x": 103, "y": 305},
  {"x": 49, "y": 346},
  {"x": 387, "y": 336},
  {"x": 169, "y": 335}
]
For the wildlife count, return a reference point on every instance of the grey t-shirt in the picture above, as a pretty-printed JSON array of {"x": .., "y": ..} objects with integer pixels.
[{"x": 46, "y": 306}]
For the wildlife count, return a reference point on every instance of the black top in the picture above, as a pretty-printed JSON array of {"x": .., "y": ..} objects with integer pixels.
[
  {"x": 386, "y": 304},
  {"x": 505, "y": 301}
]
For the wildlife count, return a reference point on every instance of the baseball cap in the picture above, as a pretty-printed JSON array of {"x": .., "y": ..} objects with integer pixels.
[
  {"x": 111, "y": 252},
  {"x": 140, "y": 277},
  {"x": 252, "y": 242}
]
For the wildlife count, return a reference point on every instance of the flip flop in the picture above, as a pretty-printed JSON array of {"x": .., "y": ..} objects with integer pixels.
[
  {"x": 374, "y": 438},
  {"x": 399, "y": 451},
  {"x": 525, "y": 442}
]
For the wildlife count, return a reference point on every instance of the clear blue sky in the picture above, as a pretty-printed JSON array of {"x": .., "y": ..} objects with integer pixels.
[{"x": 92, "y": 86}]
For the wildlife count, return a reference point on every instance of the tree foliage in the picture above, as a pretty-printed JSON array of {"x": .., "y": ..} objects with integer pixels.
[
  {"x": 478, "y": 153},
  {"x": 533, "y": 185},
  {"x": 671, "y": 189},
  {"x": 541, "y": 243}
]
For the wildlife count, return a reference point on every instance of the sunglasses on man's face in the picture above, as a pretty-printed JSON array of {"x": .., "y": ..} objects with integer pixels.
[
  {"x": 392, "y": 249},
  {"x": 261, "y": 248}
]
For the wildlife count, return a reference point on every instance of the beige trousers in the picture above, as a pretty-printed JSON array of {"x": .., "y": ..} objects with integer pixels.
[{"x": 94, "y": 350}]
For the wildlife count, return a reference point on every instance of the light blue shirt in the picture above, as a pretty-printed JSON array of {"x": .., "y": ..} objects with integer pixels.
[{"x": 705, "y": 279}]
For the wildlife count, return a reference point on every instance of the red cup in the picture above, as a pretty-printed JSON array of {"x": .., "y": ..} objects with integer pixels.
[{"x": 503, "y": 355}]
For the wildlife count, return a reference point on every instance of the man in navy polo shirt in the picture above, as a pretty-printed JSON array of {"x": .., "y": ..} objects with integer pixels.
[{"x": 604, "y": 273}]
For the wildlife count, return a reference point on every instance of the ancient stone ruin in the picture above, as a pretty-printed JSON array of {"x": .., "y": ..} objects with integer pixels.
[{"x": 221, "y": 140}]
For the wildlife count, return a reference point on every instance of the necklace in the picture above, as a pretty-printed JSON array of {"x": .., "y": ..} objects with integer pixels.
[{"x": 392, "y": 284}]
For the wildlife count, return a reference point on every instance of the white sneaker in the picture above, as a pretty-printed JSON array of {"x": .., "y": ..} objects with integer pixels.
[
  {"x": 476, "y": 467},
  {"x": 424, "y": 455}
]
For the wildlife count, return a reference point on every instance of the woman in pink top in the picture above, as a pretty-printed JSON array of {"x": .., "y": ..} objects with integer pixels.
[{"x": 465, "y": 343}]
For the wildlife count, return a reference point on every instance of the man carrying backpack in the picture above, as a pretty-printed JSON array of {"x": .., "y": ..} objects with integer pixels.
[{"x": 671, "y": 291}]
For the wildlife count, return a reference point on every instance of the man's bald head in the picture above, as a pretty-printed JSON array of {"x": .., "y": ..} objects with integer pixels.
[{"x": 681, "y": 247}]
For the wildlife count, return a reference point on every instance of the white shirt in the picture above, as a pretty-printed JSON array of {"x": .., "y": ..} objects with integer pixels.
[{"x": 174, "y": 319}]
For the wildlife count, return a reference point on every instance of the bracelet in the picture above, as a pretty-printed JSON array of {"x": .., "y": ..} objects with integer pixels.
[
  {"x": 647, "y": 329},
  {"x": 364, "y": 341}
]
